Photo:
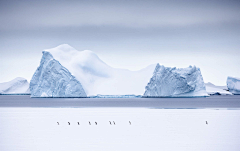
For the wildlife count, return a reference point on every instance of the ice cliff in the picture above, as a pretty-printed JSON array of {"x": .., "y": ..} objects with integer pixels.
[
  {"x": 175, "y": 82},
  {"x": 16, "y": 86},
  {"x": 51, "y": 79},
  {"x": 233, "y": 85}
]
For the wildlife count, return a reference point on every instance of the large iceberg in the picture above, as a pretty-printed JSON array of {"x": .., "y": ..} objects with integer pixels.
[
  {"x": 233, "y": 85},
  {"x": 176, "y": 82},
  {"x": 16, "y": 86},
  {"x": 66, "y": 72},
  {"x": 216, "y": 90},
  {"x": 51, "y": 79},
  {"x": 95, "y": 76}
]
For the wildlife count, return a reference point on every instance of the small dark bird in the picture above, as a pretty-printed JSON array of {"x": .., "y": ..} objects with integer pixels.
[
  {"x": 206, "y": 122},
  {"x": 68, "y": 123},
  {"x": 129, "y": 122},
  {"x": 78, "y": 123},
  {"x": 110, "y": 122},
  {"x": 96, "y": 123},
  {"x": 58, "y": 123},
  {"x": 113, "y": 122},
  {"x": 89, "y": 123}
]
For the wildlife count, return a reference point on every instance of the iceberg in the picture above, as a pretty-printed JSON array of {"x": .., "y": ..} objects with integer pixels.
[
  {"x": 233, "y": 85},
  {"x": 67, "y": 72},
  {"x": 176, "y": 82},
  {"x": 216, "y": 90},
  {"x": 51, "y": 79},
  {"x": 95, "y": 76},
  {"x": 16, "y": 86}
]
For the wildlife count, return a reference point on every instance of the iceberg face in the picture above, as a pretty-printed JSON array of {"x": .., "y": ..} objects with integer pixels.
[
  {"x": 172, "y": 82},
  {"x": 51, "y": 79},
  {"x": 233, "y": 85},
  {"x": 16, "y": 86},
  {"x": 216, "y": 90}
]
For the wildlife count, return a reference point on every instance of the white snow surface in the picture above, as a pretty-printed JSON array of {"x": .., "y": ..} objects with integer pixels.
[
  {"x": 32, "y": 129},
  {"x": 180, "y": 82},
  {"x": 233, "y": 85},
  {"x": 97, "y": 77},
  {"x": 213, "y": 89},
  {"x": 16, "y": 86}
]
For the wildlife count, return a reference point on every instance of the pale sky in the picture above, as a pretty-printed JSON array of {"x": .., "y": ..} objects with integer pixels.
[{"x": 124, "y": 34}]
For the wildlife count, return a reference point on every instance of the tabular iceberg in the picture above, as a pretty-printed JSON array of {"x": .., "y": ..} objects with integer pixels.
[
  {"x": 16, "y": 86},
  {"x": 51, "y": 79},
  {"x": 175, "y": 82},
  {"x": 233, "y": 85}
]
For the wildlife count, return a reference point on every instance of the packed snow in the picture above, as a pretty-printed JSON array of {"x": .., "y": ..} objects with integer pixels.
[
  {"x": 173, "y": 82},
  {"x": 51, "y": 79},
  {"x": 135, "y": 129},
  {"x": 233, "y": 85},
  {"x": 16, "y": 86},
  {"x": 99, "y": 79},
  {"x": 216, "y": 90}
]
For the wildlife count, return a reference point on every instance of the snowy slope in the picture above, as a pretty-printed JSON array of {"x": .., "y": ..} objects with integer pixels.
[
  {"x": 16, "y": 86},
  {"x": 97, "y": 77},
  {"x": 168, "y": 81},
  {"x": 233, "y": 85},
  {"x": 216, "y": 90},
  {"x": 51, "y": 79}
]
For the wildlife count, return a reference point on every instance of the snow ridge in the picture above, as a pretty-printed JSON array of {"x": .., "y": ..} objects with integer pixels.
[
  {"x": 51, "y": 79},
  {"x": 169, "y": 82}
]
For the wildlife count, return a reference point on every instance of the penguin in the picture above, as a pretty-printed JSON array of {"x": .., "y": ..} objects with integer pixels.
[
  {"x": 78, "y": 123},
  {"x": 96, "y": 123},
  {"x": 68, "y": 123},
  {"x": 58, "y": 123},
  {"x": 89, "y": 123},
  {"x": 110, "y": 122},
  {"x": 206, "y": 122},
  {"x": 113, "y": 122},
  {"x": 129, "y": 122}
]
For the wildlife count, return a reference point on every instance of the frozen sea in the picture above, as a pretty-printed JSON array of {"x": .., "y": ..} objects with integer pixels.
[{"x": 104, "y": 124}]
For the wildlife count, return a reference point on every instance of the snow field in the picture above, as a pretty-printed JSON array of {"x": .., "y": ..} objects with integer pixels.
[{"x": 150, "y": 129}]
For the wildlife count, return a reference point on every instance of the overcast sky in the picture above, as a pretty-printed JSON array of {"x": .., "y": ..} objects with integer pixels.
[{"x": 124, "y": 34}]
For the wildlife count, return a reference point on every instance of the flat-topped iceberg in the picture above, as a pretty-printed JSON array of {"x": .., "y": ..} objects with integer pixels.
[
  {"x": 233, "y": 85},
  {"x": 16, "y": 86},
  {"x": 66, "y": 72},
  {"x": 176, "y": 82}
]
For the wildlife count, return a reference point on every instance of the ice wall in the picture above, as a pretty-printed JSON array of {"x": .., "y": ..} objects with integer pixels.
[
  {"x": 233, "y": 85},
  {"x": 172, "y": 82},
  {"x": 51, "y": 79}
]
